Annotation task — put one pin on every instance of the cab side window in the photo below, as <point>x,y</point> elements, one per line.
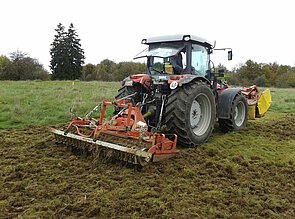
<point>200,60</point>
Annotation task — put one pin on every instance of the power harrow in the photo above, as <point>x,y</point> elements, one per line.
<point>124,136</point>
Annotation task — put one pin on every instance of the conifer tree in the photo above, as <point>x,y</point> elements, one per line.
<point>67,55</point>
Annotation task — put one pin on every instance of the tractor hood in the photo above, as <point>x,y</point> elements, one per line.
<point>147,80</point>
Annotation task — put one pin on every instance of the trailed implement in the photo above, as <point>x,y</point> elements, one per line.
<point>124,136</point>
<point>258,104</point>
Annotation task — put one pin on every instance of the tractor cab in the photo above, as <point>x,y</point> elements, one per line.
<point>177,55</point>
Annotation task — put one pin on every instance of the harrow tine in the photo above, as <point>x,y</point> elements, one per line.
<point>101,149</point>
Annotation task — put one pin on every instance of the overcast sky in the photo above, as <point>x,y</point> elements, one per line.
<point>260,30</point>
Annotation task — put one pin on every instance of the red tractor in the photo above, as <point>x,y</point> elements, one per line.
<point>177,101</point>
<point>180,93</point>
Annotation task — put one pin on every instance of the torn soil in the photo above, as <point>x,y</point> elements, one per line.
<point>42,179</point>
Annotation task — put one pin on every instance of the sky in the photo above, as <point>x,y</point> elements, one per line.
<point>260,30</point>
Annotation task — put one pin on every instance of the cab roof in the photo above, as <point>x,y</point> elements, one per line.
<point>176,38</point>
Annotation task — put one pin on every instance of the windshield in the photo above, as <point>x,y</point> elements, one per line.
<point>161,57</point>
<point>163,50</point>
<point>169,65</point>
<point>158,52</point>
<point>176,58</point>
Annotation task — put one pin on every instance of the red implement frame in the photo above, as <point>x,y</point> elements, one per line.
<point>128,124</point>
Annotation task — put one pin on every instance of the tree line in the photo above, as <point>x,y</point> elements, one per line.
<point>108,70</point>
<point>262,74</point>
<point>20,66</point>
<point>67,63</point>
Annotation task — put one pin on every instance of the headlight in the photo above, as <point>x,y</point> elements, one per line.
<point>128,83</point>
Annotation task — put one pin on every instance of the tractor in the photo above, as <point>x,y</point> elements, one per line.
<point>175,103</point>
<point>184,96</point>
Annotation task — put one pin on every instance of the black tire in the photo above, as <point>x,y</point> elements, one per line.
<point>125,91</point>
<point>190,113</point>
<point>238,115</point>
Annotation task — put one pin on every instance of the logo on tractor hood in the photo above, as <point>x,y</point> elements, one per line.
<point>164,77</point>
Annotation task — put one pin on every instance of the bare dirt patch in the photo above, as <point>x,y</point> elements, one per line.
<point>42,179</point>
<point>282,128</point>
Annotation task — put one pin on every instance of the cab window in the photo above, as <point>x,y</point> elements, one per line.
<point>200,60</point>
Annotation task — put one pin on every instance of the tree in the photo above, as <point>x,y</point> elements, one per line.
<point>4,62</point>
<point>22,67</point>
<point>261,81</point>
<point>108,70</point>
<point>105,70</point>
<point>291,79</point>
<point>88,73</point>
<point>269,73</point>
<point>67,55</point>
<point>249,71</point>
<point>125,69</point>
<point>75,53</point>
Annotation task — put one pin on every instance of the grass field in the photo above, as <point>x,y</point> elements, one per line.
<point>246,174</point>
<point>30,103</point>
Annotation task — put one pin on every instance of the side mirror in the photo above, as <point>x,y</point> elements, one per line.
<point>230,55</point>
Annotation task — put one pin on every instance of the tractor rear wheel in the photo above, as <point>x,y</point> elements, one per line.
<point>238,115</point>
<point>125,91</point>
<point>190,113</point>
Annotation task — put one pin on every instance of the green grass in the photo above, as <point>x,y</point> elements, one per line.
<point>245,174</point>
<point>283,100</point>
<point>36,103</point>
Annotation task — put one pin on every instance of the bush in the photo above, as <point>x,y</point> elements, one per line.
<point>261,81</point>
<point>4,62</point>
<point>88,72</point>
<point>282,81</point>
<point>291,79</point>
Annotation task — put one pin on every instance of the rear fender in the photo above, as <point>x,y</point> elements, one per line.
<point>225,100</point>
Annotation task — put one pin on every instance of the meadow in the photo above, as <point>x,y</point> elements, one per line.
<point>35,103</point>
<point>246,174</point>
